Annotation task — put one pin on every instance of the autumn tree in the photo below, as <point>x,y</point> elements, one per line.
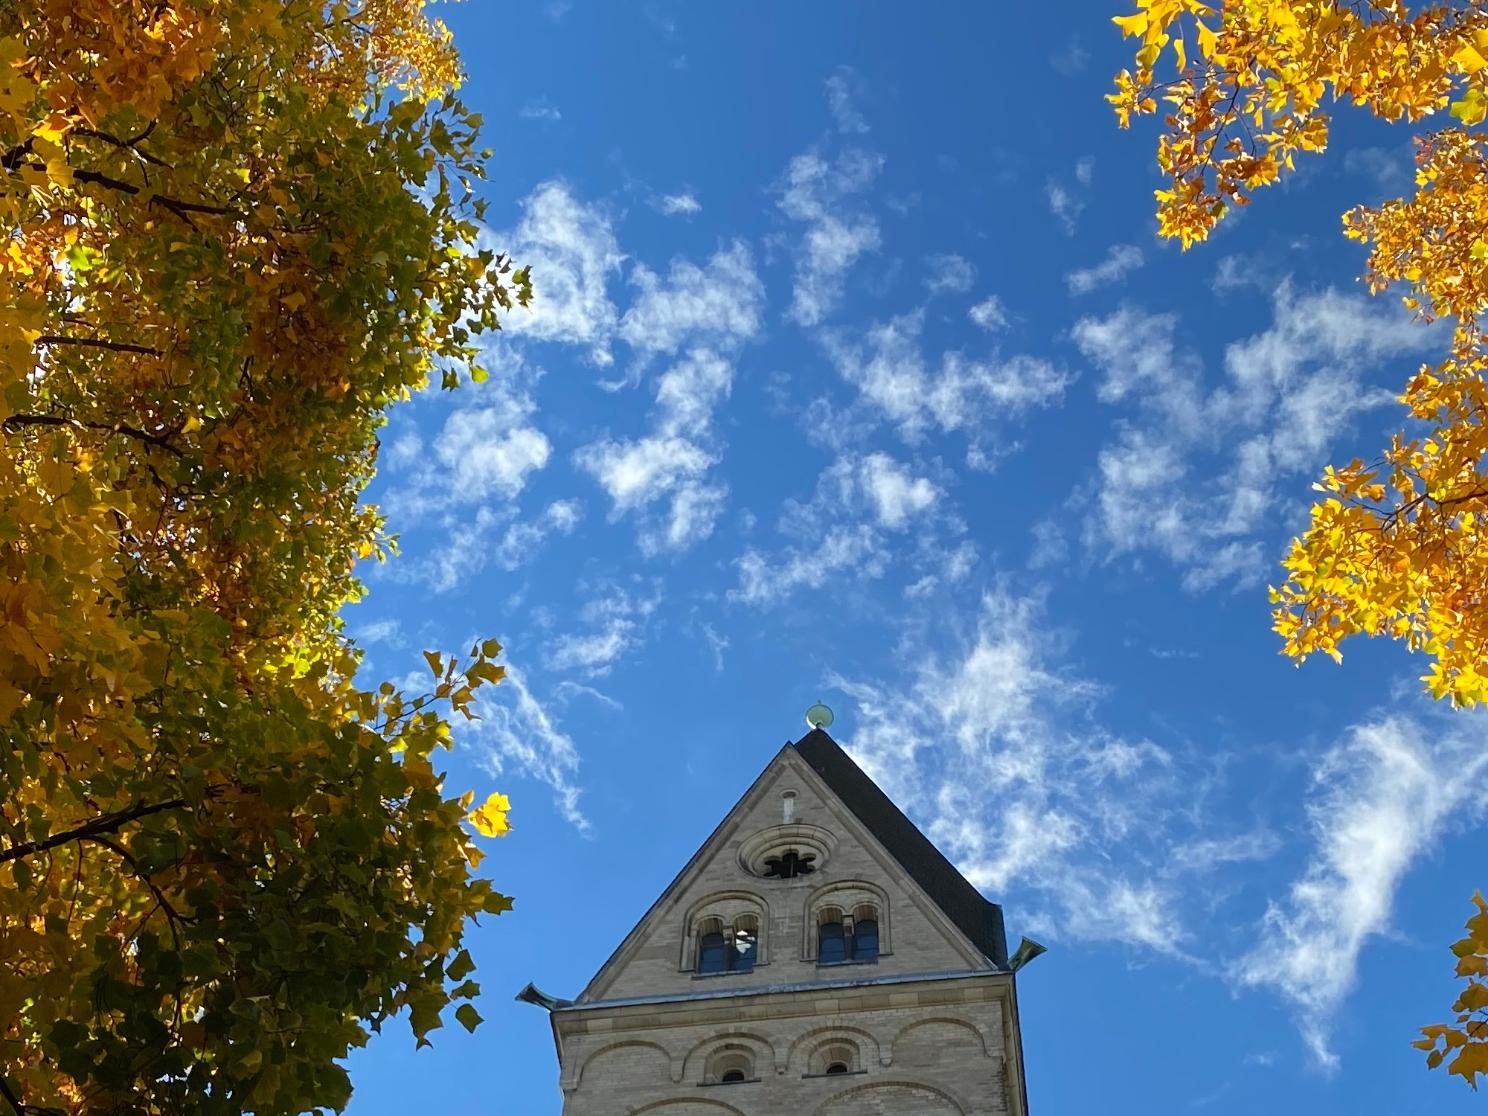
<point>1396,547</point>
<point>237,231</point>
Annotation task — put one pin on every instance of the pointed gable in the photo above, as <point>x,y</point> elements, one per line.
<point>976,916</point>
<point>850,853</point>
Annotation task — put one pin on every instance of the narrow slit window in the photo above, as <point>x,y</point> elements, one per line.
<point>712,953</point>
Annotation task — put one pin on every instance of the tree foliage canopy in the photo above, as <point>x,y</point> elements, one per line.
<point>237,231</point>
<point>1397,547</point>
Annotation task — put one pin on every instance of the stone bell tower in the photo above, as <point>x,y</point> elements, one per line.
<point>816,957</point>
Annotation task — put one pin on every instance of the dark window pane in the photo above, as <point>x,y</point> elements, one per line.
<point>865,940</point>
<point>837,1067</point>
<point>831,946</point>
<point>712,954</point>
<point>733,1075</point>
<point>789,865</point>
<point>744,950</point>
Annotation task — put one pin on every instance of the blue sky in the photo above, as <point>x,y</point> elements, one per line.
<point>858,374</point>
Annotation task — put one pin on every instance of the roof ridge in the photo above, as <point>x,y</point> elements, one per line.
<point>973,913</point>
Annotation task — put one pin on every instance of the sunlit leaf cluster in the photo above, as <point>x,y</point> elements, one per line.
<point>237,231</point>
<point>1393,546</point>
<point>1463,1045</point>
<point>1396,547</point>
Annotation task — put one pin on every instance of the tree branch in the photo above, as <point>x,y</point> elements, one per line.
<point>18,422</point>
<point>129,144</point>
<point>182,209</point>
<point>98,343</point>
<point>107,823</point>
<point>175,205</point>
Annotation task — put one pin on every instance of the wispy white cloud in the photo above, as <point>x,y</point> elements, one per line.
<point>515,733</point>
<point>844,90</point>
<point>685,204</point>
<point>1387,169</point>
<point>670,465</point>
<point>613,623</point>
<point>948,272</point>
<point>483,454</point>
<point>720,303</point>
<point>385,630</point>
<point>990,747</point>
<point>1070,59</point>
<point>897,495</point>
<point>1381,797</point>
<point>1195,472</point>
<point>886,364</point>
<point>1067,202</point>
<point>766,579</point>
<point>1064,204</point>
<point>1121,260</point>
<point>489,451</point>
<point>822,194</point>
<point>572,250</point>
<point>540,108</point>
<point>522,539</point>
<point>990,314</point>
<point>853,528</point>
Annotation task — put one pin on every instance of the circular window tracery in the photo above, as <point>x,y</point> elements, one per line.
<point>786,852</point>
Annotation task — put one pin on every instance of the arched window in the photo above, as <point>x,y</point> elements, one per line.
<point>840,939</point>
<point>866,928</point>
<point>729,1065</point>
<point>727,951</point>
<point>833,1056</point>
<point>831,937</point>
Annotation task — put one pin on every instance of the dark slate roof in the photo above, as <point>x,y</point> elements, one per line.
<point>975,916</point>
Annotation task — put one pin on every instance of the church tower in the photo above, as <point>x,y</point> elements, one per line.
<point>817,956</point>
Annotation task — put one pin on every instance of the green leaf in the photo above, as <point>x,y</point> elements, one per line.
<point>469,1018</point>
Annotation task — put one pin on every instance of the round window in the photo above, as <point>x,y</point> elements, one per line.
<point>786,852</point>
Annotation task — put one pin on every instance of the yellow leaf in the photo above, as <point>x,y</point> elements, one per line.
<point>489,818</point>
<point>53,128</point>
<point>1208,40</point>
<point>1469,59</point>
<point>1132,24</point>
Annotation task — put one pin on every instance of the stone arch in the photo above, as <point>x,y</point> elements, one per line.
<point>728,908</point>
<point>869,1047</point>
<point>690,1106</point>
<point>696,1059</point>
<point>849,897</point>
<point>926,1042</point>
<point>590,1067</point>
<point>902,1098</point>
